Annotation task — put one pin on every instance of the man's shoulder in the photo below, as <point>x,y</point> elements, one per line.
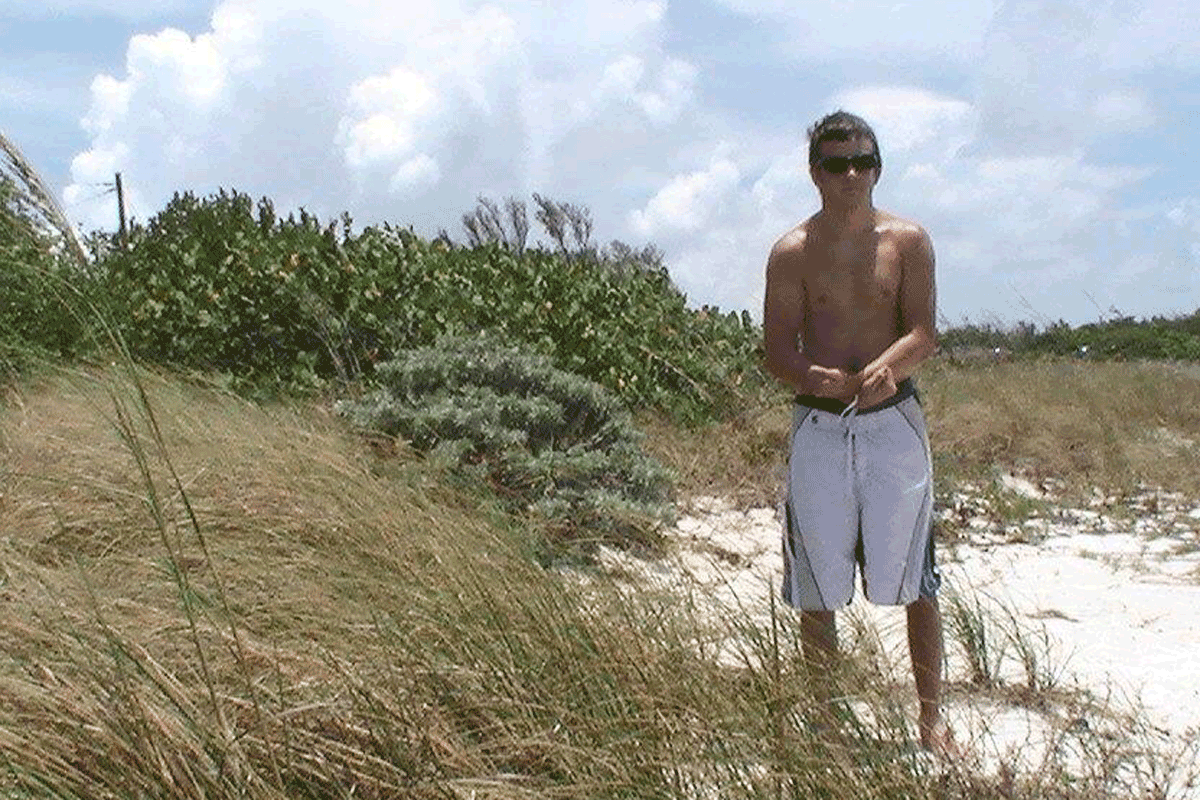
<point>904,230</point>
<point>792,242</point>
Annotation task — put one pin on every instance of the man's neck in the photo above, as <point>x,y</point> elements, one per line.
<point>844,219</point>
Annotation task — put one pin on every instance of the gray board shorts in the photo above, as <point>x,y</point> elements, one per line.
<point>859,494</point>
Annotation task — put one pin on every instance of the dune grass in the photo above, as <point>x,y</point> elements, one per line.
<point>1110,426</point>
<point>216,600</point>
<point>207,598</point>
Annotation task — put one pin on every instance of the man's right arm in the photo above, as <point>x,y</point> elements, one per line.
<point>783,314</point>
<point>783,317</point>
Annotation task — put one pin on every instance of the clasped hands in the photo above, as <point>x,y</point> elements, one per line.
<point>869,387</point>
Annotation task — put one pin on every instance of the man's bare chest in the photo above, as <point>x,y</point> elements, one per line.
<point>854,278</point>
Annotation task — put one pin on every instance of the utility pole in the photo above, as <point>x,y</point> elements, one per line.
<point>121,213</point>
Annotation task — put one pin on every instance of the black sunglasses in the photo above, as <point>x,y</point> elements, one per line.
<point>839,164</point>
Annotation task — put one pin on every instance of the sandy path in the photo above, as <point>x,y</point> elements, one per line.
<point>1108,606</point>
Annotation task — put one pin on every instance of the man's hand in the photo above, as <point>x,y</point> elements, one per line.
<point>878,385</point>
<point>830,382</point>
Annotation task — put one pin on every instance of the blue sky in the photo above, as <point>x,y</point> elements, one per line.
<point>1046,145</point>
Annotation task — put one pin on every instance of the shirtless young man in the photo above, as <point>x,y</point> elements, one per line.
<point>848,316</point>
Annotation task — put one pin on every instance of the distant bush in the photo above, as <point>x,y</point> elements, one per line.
<point>552,443</point>
<point>293,304</point>
<point>986,336</point>
<point>1121,338</point>
<point>1126,338</point>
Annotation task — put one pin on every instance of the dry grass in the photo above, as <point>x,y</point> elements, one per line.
<point>199,639</point>
<point>218,600</point>
<point>741,458</point>
<point>1106,425</point>
<point>205,598</point>
<point>1111,426</point>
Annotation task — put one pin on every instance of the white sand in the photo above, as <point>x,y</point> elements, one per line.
<point>1110,607</point>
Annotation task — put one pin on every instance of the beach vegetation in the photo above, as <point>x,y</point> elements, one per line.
<point>214,585</point>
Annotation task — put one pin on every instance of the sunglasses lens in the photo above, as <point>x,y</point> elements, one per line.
<point>836,165</point>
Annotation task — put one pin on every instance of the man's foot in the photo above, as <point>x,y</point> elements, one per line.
<point>937,738</point>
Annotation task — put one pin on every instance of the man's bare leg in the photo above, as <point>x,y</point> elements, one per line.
<point>818,636</point>
<point>925,647</point>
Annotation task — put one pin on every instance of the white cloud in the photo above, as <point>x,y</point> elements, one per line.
<point>1145,34</point>
<point>416,173</point>
<point>99,163</point>
<point>159,119</point>
<point>466,99</point>
<point>621,77</point>
<point>672,93</point>
<point>660,95</point>
<point>906,117</point>
<point>687,201</point>
<point>819,28</point>
<point>110,104</point>
<point>194,69</point>
<point>1185,215</point>
<point>1122,110</point>
<point>1058,74</point>
<point>385,112</point>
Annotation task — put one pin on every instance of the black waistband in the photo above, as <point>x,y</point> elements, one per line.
<point>904,389</point>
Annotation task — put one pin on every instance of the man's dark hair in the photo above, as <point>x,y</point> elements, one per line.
<point>840,126</point>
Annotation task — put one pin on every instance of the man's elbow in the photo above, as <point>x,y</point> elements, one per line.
<point>772,363</point>
<point>777,365</point>
<point>929,342</point>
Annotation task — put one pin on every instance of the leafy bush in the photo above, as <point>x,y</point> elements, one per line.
<point>222,284</point>
<point>551,443</point>
<point>213,285</point>
<point>36,320</point>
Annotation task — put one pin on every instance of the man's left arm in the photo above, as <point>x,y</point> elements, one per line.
<point>917,341</point>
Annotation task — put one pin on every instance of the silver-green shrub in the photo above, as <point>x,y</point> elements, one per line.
<point>553,444</point>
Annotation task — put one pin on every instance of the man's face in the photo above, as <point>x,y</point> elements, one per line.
<point>846,168</point>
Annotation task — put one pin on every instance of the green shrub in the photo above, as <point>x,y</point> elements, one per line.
<point>553,444</point>
<point>213,285</point>
<point>37,320</point>
<point>221,284</point>
<point>1124,338</point>
<point>1120,338</point>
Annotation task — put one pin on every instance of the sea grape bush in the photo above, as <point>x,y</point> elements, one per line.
<point>552,443</point>
<point>219,285</point>
<point>222,284</point>
<point>284,305</point>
